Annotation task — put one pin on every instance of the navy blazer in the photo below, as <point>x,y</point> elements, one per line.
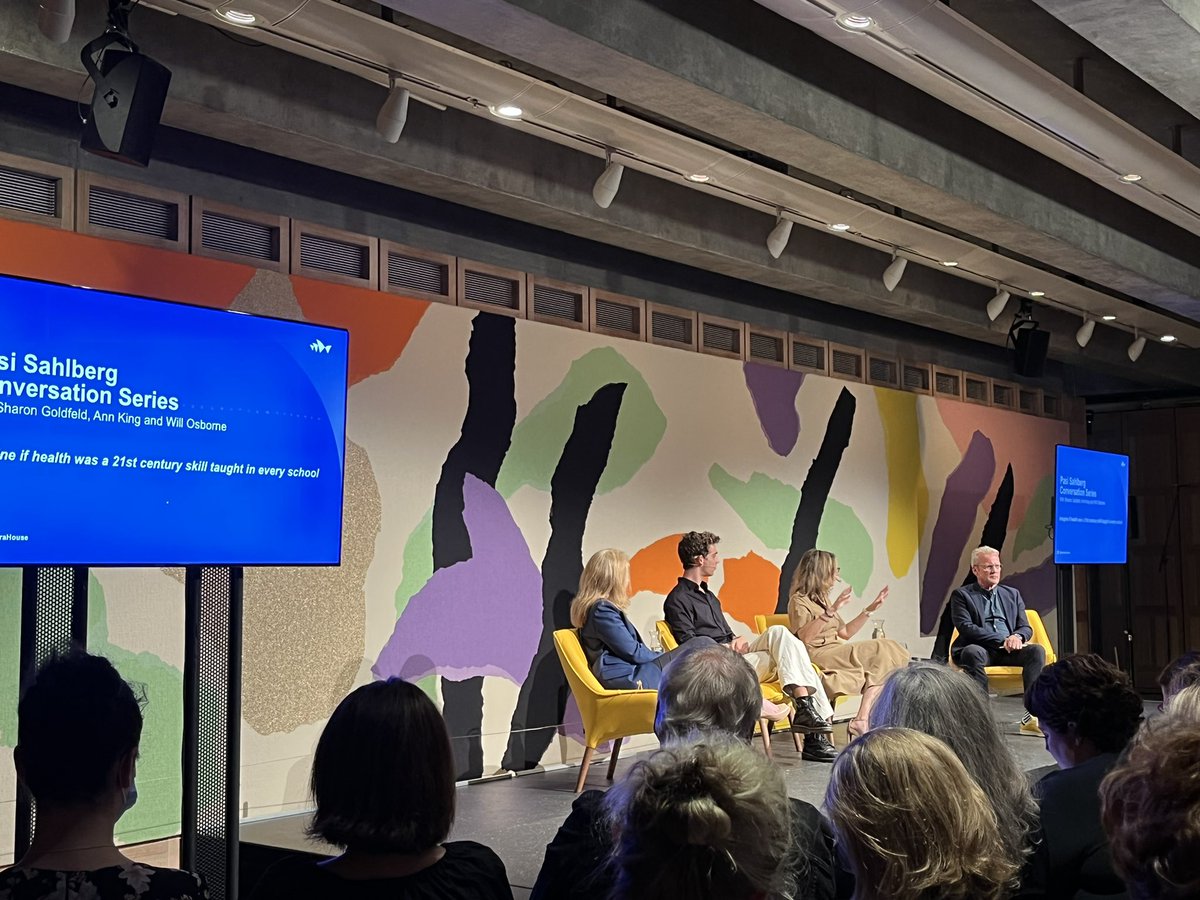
<point>615,651</point>
<point>968,610</point>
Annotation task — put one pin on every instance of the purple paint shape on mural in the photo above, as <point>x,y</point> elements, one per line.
<point>1037,586</point>
<point>774,391</point>
<point>966,488</point>
<point>482,616</point>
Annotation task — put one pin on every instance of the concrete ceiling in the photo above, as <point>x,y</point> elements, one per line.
<point>731,74</point>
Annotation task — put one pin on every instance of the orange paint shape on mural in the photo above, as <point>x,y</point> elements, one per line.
<point>751,587</point>
<point>52,254</point>
<point>656,568</point>
<point>380,325</point>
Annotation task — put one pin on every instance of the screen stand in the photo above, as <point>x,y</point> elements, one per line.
<point>53,619</point>
<point>212,715</point>
<point>1064,576</point>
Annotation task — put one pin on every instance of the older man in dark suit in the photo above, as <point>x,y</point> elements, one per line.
<point>993,629</point>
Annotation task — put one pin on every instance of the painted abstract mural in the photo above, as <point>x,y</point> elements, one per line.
<point>488,457</point>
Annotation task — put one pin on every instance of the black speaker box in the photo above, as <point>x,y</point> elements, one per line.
<point>126,107</point>
<point>1030,349</point>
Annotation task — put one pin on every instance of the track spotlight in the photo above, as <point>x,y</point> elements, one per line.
<point>777,240</point>
<point>1084,334</point>
<point>394,112</point>
<point>997,304</point>
<point>1136,348</point>
<point>894,272</point>
<point>55,18</point>
<point>609,182</point>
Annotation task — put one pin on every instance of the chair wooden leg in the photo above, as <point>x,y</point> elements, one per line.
<point>583,768</point>
<point>764,728</point>
<point>612,763</point>
<point>795,737</point>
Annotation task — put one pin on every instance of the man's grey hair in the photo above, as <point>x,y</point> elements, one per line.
<point>979,552</point>
<point>711,689</point>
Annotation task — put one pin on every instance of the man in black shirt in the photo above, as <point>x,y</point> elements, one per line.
<point>692,610</point>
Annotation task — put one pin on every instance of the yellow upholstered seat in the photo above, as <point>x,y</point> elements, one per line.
<point>762,623</point>
<point>607,715</point>
<point>1007,679</point>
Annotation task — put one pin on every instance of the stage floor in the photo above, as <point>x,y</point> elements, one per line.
<point>517,817</point>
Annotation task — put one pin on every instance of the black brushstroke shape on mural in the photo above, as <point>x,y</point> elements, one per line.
<point>480,450</point>
<point>543,696</point>
<point>816,489</point>
<point>994,530</point>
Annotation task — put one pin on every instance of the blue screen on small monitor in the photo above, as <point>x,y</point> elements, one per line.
<point>1091,506</point>
<point>140,432</point>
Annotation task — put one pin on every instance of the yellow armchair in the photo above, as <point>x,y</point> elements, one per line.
<point>762,623</point>
<point>1007,679</point>
<point>607,715</point>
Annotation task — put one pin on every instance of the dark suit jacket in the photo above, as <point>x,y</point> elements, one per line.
<point>968,610</point>
<point>615,651</point>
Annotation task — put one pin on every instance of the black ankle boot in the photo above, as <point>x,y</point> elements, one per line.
<point>818,748</point>
<point>807,720</point>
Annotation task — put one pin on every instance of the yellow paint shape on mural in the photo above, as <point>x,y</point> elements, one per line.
<point>908,496</point>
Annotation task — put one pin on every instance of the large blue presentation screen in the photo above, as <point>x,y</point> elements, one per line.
<point>1091,506</point>
<point>139,432</point>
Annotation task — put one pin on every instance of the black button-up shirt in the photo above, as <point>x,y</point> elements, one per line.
<point>692,610</point>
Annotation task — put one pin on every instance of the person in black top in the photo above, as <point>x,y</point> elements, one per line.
<point>692,610</point>
<point>383,782</point>
<point>709,691</point>
<point>79,725</point>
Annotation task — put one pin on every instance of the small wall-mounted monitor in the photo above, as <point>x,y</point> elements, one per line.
<point>141,432</point>
<point>1091,506</point>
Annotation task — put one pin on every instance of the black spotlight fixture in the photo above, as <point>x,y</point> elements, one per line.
<point>1029,342</point>
<point>131,89</point>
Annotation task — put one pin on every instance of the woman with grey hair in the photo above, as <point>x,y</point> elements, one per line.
<point>948,705</point>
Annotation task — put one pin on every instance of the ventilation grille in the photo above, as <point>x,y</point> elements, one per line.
<point>415,273</point>
<point>975,389</point>
<point>883,371</point>
<point>231,235</point>
<point>845,364</point>
<point>339,257</point>
<point>137,215</point>
<point>670,328</point>
<point>1004,395</point>
<point>486,289</point>
<point>558,303</point>
<point>30,192</point>
<point>806,355</point>
<point>1029,402</point>
<point>721,338</point>
<point>612,315</point>
<point>915,378</point>
<point>769,348</point>
<point>1051,405</point>
<point>947,384</point>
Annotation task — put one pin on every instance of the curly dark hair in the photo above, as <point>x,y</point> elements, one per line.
<point>1085,691</point>
<point>695,543</point>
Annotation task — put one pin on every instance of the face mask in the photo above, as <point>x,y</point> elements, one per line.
<point>129,796</point>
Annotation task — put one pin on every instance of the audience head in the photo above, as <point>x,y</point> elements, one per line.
<point>815,575</point>
<point>1085,706</point>
<point>703,820</point>
<point>913,823</point>
<point>605,577</point>
<point>694,545</point>
<point>1151,813</point>
<point>1185,705</point>
<point>1180,672</point>
<point>79,725</point>
<point>383,776</point>
<point>948,705</point>
<point>708,690</point>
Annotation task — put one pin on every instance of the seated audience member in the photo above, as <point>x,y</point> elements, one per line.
<point>702,820</point>
<point>614,649</point>
<point>710,691</point>
<point>945,704</point>
<point>691,609</point>
<point>846,668</point>
<point>383,784</point>
<point>912,824</point>
<point>1180,672</point>
<point>993,629</point>
<point>78,728</point>
<point>1089,713</point>
<point>1185,705</point>
<point>1150,807</point>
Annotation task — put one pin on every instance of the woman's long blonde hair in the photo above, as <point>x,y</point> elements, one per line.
<point>605,577</point>
<point>814,576</point>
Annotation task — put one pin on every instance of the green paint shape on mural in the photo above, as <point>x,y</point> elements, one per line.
<point>843,534</point>
<point>1032,533</point>
<point>429,685</point>
<point>418,562</point>
<point>159,781</point>
<point>539,438</point>
<point>765,504</point>
<point>10,654</point>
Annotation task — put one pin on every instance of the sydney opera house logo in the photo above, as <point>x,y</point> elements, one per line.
<point>317,347</point>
